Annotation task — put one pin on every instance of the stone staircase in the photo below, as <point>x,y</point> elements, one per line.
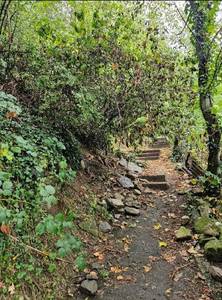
<point>153,181</point>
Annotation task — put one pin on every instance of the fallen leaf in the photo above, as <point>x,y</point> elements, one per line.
<point>169,257</point>
<point>178,276</point>
<point>201,276</point>
<point>119,277</point>
<point>11,115</point>
<point>147,269</point>
<point>5,229</point>
<point>172,215</point>
<point>99,255</point>
<point>191,250</point>
<point>162,244</point>
<point>168,292</point>
<point>11,289</point>
<point>153,258</point>
<point>115,270</point>
<point>157,226</point>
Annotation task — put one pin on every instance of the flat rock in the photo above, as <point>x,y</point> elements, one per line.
<point>89,287</point>
<point>213,250</point>
<point>216,273</point>
<point>148,191</point>
<point>185,220</point>
<point>92,276</point>
<point>135,204</point>
<point>137,192</point>
<point>157,185</point>
<point>89,226</point>
<point>115,203</point>
<point>130,166</point>
<point>132,211</point>
<point>118,196</point>
<point>105,227</point>
<point>206,226</point>
<point>125,182</point>
<point>96,266</point>
<point>183,233</point>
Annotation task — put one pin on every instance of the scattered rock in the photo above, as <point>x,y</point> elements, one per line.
<point>130,166</point>
<point>204,210</point>
<point>206,226</point>
<point>182,192</point>
<point>118,196</point>
<point>185,220</point>
<point>89,226</point>
<point>117,216</point>
<point>96,266</point>
<point>115,203</point>
<point>89,287</point>
<point>125,182</point>
<point>105,227</point>
<point>134,168</point>
<point>203,239</point>
<point>82,164</point>
<point>132,203</point>
<point>216,273</point>
<point>137,192</point>
<point>148,191</point>
<point>120,210</point>
<point>213,250</point>
<point>103,203</point>
<point>92,276</point>
<point>183,233</point>
<point>132,211</point>
<point>123,162</point>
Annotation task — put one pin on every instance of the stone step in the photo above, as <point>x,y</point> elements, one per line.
<point>163,186</point>
<point>148,154</point>
<point>147,158</point>
<point>154,178</point>
<point>162,145</point>
<point>151,151</point>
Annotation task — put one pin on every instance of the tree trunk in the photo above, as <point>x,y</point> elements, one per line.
<point>205,96</point>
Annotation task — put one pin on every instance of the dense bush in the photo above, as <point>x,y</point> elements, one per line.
<point>32,169</point>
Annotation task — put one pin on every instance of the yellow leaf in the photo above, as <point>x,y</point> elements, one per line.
<point>157,226</point>
<point>120,277</point>
<point>147,268</point>
<point>115,270</point>
<point>162,244</point>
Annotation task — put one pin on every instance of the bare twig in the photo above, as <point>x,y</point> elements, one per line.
<point>42,253</point>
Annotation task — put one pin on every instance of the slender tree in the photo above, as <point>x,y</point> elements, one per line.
<point>203,14</point>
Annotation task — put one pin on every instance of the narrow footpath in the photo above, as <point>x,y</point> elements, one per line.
<point>156,266</point>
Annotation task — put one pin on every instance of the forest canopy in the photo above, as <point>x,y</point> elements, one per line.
<point>97,74</point>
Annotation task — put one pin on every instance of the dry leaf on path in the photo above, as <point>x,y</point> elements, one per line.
<point>157,226</point>
<point>162,244</point>
<point>178,276</point>
<point>147,269</point>
<point>99,255</point>
<point>115,270</point>
<point>169,257</point>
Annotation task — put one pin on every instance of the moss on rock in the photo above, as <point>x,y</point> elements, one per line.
<point>213,250</point>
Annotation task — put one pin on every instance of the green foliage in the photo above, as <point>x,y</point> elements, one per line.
<point>32,170</point>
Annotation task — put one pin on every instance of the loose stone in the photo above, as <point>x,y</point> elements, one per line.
<point>89,287</point>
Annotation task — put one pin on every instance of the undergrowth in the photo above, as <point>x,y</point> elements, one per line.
<point>33,169</point>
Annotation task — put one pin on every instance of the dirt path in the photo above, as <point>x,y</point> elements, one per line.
<point>156,267</point>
